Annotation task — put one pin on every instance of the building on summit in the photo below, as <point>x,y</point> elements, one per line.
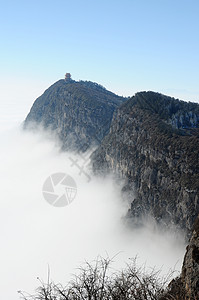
<point>67,76</point>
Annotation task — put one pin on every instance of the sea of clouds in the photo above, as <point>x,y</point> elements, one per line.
<point>35,235</point>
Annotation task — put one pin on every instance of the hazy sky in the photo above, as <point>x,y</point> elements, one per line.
<point>127,46</point>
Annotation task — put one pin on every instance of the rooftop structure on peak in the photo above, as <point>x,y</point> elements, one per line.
<point>67,76</point>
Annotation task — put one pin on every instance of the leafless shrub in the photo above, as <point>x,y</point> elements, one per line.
<point>96,281</point>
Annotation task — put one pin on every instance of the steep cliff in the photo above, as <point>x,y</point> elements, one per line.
<point>190,269</point>
<point>79,112</point>
<point>186,286</point>
<point>153,143</point>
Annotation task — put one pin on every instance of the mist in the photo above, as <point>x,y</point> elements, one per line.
<point>36,236</point>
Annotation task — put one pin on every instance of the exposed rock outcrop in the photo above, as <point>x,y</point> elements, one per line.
<point>79,112</point>
<point>186,286</point>
<point>190,269</point>
<point>153,143</point>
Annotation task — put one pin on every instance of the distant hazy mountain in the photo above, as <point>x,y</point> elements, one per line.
<point>80,112</point>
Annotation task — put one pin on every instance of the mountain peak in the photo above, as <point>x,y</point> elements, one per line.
<point>79,111</point>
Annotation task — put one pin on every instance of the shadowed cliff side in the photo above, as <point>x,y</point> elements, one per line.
<point>186,286</point>
<point>153,143</point>
<point>190,269</point>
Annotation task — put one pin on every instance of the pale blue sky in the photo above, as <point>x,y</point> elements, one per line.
<point>127,46</point>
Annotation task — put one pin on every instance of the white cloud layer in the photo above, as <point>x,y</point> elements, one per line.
<point>34,234</point>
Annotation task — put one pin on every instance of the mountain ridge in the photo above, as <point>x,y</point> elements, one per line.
<point>150,140</point>
<point>158,160</point>
<point>79,112</point>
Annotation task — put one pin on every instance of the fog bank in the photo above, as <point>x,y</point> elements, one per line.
<point>35,234</point>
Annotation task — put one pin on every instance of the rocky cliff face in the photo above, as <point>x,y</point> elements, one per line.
<point>186,286</point>
<point>190,269</point>
<point>153,143</point>
<point>79,112</point>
